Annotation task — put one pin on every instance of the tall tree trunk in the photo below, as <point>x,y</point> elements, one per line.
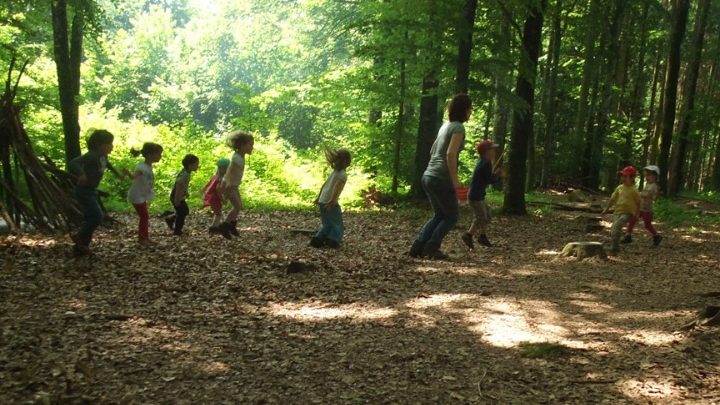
<point>677,33</point>
<point>502,78</point>
<point>523,119</point>
<point>465,33</point>
<point>589,67</point>
<point>550,94</point>
<point>401,122</point>
<point>607,97</point>
<point>68,57</point>
<point>651,120</point>
<point>686,115</point>
<point>427,130</point>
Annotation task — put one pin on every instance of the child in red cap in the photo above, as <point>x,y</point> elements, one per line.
<point>483,175</point>
<point>625,202</point>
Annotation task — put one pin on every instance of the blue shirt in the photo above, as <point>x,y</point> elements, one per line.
<point>481,178</point>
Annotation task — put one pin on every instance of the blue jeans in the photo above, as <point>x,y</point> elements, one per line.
<point>443,200</point>
<point>332,223</point>
<point>93,214</point>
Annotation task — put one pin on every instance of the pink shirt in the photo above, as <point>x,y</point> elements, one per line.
<point>212,193</point>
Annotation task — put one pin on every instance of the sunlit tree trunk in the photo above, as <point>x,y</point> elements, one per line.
<point>677,33</point>
<point>677,175</point>
<point>523,118</point>
<point>502,87</point>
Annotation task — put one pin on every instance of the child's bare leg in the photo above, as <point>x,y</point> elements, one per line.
<point>217,218</point>
<point>236,202</point>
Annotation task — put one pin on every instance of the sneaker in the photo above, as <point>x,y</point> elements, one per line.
<point>436,255</point>
<point>657,239</point>
<point>467,238</point>
<point>170,221</point>
<point>483,240</point>
<point>316,242</point>
<point>224,229</point>
<point>233,228</point>
<point>627,239</point>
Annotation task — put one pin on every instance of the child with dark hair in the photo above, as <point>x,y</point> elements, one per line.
<point>89,169</point>
<point>483,176</point>
<point>142,190</point>
<point>242,144</point>
<point>212,197</point>
<point>332,230</point>
<point>179,193</point>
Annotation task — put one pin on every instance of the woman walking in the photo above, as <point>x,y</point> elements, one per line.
<point>440,181</point>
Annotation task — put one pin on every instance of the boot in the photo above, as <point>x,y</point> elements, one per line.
<point>233,228</point>
<point>316,242</point>
<point>627,239</point>
<point>657,239</point>
<point>224,229</point>
<point>416,249</point>
<point>436,255</point>
<point>170,221</point>
<point>483,240</point>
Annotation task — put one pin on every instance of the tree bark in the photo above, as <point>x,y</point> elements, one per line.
<point>677,175</point>
<point>465,34</point>
<point>523,119</point>
<point>400,123</point>
<point>502,78</point>
<point>68,57</point>
<point>581,117</point>
<point>550,94</point>
<point>677,33</point>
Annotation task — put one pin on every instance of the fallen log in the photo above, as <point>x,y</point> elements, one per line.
<point>573,207</point>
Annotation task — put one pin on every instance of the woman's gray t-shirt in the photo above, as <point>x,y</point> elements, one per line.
<point>438,167</point>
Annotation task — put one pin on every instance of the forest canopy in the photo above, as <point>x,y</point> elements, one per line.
<point>608,83</point>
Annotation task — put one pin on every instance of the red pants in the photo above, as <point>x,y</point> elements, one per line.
<point>142,211</point>
<point>647,218</point>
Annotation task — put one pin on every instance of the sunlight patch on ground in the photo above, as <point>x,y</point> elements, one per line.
<point>528,270</point>
<point>214,368</point>
<point>650,389</point>
<point>693,239</point>
<point>592,307</point>
<point>75,304</point>
<point>437,300</point>
<point>35,243</point>
<point>320,312</point>
<point>141,331</point>
<point>653,337</point>
<point>507,324</point>
<point>547,252</point>
<point>647,315</point>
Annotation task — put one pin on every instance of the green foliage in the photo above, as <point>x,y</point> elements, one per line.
<point>542,350</point>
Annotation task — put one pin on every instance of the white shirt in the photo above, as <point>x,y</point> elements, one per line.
<point>326,194</point>
<point>142,186</point>
<point>234,174</point>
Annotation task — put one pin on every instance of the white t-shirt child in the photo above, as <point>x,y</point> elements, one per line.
<point>326,194</point>
<point>142,189</point>
<point>234,174</point>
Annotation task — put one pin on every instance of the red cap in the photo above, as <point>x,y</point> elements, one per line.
<point>483,146</point>
<point>628,171</point>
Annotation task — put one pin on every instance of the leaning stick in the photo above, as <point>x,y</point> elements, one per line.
<point>498,161</point>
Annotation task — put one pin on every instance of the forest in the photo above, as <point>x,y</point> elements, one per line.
<point>570,91</point>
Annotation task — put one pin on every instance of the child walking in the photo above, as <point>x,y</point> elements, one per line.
<point>242,144</point>
<point>89,169</point>
<point>625,202</point>
<point>332,230</point>
<point>212,197</point>
<point>179,193</point>
<point>648,195</point>
<point>482,177</point>
<point>142,189</point>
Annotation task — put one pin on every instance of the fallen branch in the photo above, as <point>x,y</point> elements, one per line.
<point>578,207</point>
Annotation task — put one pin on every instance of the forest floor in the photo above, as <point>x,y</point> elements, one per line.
<point>201,320</point>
